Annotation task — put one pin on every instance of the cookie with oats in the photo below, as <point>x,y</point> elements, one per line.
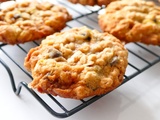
<point>92,2</point>
<point>132,21</point>
<point>3,0</point>
<point>77,63</point>
<point>31,20</point>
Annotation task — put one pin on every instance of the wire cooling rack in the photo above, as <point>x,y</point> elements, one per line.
<point>141,57</point>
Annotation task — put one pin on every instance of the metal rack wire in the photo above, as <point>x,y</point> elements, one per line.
<point>141,57</point>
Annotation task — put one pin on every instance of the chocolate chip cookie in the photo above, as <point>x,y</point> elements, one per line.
<point>31,20</point>
<point>132,21</point>
<point>77,63</point>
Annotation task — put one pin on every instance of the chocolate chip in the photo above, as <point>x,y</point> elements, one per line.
<point>54,53</point>
<point>155,20</point>
<point>16,16</point>
<point>86,35</point>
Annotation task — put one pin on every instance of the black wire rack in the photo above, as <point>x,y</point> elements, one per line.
<point>141,57</point>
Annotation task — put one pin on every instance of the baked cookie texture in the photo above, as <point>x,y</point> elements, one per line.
<point>3,0</point>
<point>77,63</point>
<point>132,21</point>
<point>31,20</point>
<point>92,2</point>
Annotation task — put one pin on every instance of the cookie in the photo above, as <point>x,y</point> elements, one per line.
<point>30,20</point>
<point>132,21</point>
<point>77,63</point>
<point>3,0</point>
<point>92,2</point>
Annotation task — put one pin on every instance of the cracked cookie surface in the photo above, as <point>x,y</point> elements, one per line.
<point>132,21</point>
<point>30,20</point>
<point>77,63</point>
